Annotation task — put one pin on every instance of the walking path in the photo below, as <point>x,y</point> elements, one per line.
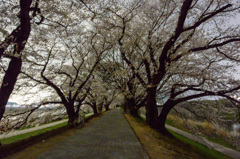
<point>18,132</point>
<point>108,137</point>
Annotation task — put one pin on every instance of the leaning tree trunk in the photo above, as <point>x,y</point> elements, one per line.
<point>14,68</point>
<point>163,117</point>
<point>151,108</point>
<point>8,83</point>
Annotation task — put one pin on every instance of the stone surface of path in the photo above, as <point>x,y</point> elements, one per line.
<point>109,137</point>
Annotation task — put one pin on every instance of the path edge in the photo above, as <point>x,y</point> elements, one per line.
<point>136,135</point>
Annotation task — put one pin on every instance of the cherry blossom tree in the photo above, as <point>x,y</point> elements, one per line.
<point>67,69</point>
<point>183,46</point>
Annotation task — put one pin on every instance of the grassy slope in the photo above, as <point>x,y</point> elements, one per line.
<point>217,139</point>
<point>27,135</point>
<point>34,133</point>
<point>159,146</point>
<point>203,150</point>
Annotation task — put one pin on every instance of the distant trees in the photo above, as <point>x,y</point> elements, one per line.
<point>102,91</point>
<point>119,77</point>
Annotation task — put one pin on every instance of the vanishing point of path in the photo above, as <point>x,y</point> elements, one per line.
<point>108,137</point>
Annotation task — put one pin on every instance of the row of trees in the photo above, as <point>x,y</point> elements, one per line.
<point>135,51</point>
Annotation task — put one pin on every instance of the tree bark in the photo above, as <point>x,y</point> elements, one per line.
<point>71,113</point>
<point>100,108</point>
<point>132,107</point>
<point>134,111</point>
<point>163,117</point>
<point>125,106</point>
<point>94,107</point>
<point>107,107</point>
<point>8,83</point>
<point>239,114</point>
<point>151,108</point>
<point>19,39</point>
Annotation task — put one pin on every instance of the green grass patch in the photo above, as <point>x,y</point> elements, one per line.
<point>27,135</point>
<point>215,138</point>
<point>223,143</point>
<point>203,150</point>
<point>16,138</point>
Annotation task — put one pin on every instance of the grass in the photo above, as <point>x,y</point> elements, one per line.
<point>27,135</point>
<point>207,129</point>
<point>203,150</point>
<point>189,145</point>
<point>34,133</point>
<point>221,142</point>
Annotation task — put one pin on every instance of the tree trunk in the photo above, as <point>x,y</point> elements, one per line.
<point>125,106</point>
<point>72,116</point>
<point>8,83</point>
<point>134,111</point>
<point>163,117</point>
<point>151,108</point>
<point>239,114</point>
<point>94,107</point>
<point>21,35</point>
<point>132,107</point>
<point>100,107</point>
<point>107,107</point>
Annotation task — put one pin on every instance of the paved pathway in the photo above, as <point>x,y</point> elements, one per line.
<point>109,137</point>
<point>18,132</point>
